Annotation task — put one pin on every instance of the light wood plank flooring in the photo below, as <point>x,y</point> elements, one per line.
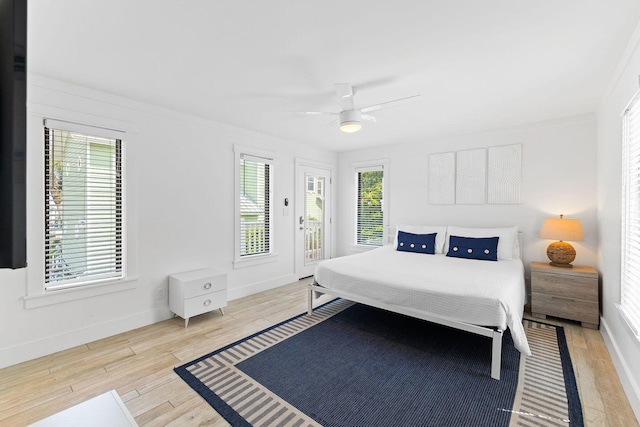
<point>139,366</point>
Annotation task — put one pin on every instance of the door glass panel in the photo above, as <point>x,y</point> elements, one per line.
<point>314,219</point>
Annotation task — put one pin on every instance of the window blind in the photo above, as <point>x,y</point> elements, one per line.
<point>83,208</point>
<point>369,206</point>
<point>630,262</point>
<point>255,205</point>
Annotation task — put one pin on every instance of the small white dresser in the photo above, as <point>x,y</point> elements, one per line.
<point>196,292</point>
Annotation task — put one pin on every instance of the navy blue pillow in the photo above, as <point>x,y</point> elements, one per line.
<point>420,243</point>
<point>483,248</point>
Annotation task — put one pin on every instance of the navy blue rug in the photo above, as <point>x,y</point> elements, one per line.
<point>354,365</point>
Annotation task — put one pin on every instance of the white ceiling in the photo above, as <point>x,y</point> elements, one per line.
<point>479,65</point>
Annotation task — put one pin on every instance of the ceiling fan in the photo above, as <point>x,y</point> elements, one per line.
<point>351,117</point>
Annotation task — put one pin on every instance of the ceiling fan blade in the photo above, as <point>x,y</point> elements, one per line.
<point>368,118</point>
<point>314,113</point>
<point>321,113</point>
<point>345,95</point>
<point>391,104</point>
<point>332,123</point>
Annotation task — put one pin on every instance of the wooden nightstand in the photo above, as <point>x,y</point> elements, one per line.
<point>570,293</point>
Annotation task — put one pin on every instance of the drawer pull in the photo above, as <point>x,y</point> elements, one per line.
<point>207,303</point>
<point>207,285</point>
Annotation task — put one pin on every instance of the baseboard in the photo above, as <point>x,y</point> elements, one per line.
<point>254,288</point>
<point>622,367</point>
<point>42,347</point>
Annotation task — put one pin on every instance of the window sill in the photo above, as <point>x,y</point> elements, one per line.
<point>255,260</point>
<point>364,248</point>
<point>73,294</point>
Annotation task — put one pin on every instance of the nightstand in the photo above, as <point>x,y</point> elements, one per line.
<point>569,293</point>
<point>196,292</point>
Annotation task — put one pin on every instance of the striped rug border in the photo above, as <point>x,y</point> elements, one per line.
<point>541,399</point>
<point>263,406</point>
<point>547,393</point>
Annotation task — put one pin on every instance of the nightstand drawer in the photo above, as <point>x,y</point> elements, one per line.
<point>204,303</point>
<point>576,287</point>
<point>204,285</point>
<point>568,308</point>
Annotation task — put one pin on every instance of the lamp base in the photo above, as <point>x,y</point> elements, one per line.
<point>561,254</point>
<point>555,264</point>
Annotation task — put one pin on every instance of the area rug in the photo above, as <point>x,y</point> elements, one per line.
<point>354,365</point>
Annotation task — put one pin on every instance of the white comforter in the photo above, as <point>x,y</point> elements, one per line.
<point>485,293</point>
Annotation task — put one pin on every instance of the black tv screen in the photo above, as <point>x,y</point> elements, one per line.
<point>13,133</point>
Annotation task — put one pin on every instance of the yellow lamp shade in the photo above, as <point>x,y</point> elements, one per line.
<point>562,229</point>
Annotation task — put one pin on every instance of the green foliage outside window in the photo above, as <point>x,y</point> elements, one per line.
<point>370,208</point>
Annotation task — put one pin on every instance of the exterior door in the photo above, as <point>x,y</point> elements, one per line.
<point>312,220</point>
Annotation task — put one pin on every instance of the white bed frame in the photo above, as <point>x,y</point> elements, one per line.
<point>494,334</point>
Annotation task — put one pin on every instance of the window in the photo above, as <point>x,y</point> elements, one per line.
<point>630,257</point>
<point>255,179</point>
<point>370,205</point>
<point>84,240</point>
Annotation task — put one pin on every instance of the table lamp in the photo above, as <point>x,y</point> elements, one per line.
<point>561,253</point>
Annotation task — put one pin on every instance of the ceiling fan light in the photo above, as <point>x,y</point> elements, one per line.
<point>350,127</point>
<point>350,121</point>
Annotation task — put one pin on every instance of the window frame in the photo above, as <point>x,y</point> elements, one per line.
<point>370,166</point>
<point>241,261</point>
<point>37,294</point>
<point>629,306</point>
<point>52,138</point>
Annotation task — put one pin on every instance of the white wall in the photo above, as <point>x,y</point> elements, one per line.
<point>183,174</point>
<point>558,177</point>
<point>623,346</point>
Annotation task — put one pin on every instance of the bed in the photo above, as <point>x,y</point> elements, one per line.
<point>478,296</point>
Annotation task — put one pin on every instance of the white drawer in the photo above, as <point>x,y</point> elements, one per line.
<point>204,303</point>
<point>204,285</point>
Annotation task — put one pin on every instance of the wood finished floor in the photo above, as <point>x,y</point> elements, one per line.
<point>139,365</point>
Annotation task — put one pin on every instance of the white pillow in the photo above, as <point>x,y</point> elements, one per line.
<point>508,247</point>
<point>424,229</point>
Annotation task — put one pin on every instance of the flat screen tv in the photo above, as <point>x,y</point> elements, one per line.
<point>13,133</point>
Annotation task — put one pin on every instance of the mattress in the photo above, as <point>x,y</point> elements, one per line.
<point>483,293</point>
